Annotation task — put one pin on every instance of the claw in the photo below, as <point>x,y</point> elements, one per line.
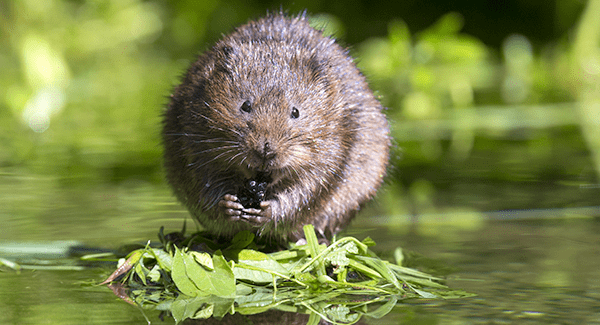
<point>232,212</point>
<point>230,205</point>
<point>229,197</point>
<point>253,219</point>
<point>252,211</point>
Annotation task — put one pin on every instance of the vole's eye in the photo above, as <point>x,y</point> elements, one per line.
<point>246,107</point>
<point>295,112</point>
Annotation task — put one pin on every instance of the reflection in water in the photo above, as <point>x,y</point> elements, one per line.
<point>526,272</point>
<point>199,311</point>
<point>274,317</point>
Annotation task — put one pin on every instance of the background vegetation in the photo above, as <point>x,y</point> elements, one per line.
<point>492,107</point>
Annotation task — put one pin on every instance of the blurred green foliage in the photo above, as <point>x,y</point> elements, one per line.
<point>493,105</point>
<point>84,84</point>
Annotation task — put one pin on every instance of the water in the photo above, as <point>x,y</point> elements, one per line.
<point>523,271</point>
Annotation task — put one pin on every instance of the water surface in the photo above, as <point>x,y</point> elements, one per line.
<point>523,271</point>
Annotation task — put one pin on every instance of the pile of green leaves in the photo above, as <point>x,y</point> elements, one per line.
<point>339,282</point>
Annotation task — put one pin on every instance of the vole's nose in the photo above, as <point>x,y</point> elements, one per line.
<point>268,153</point>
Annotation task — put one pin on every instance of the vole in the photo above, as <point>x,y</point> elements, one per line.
<point>274,128</point>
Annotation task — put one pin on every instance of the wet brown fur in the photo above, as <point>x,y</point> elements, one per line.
<point>325,162</point>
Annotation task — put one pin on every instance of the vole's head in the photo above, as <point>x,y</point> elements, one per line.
<point>271,106</point>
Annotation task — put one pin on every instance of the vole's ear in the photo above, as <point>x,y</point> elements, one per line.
<point>200,71</point>
<point>226,51</point>
<point>222,55</point>
<point>223,52</point>
<point>316,68</point>
<point>217,58</point>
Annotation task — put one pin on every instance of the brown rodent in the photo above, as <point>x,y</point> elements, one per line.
<point>272,129</point>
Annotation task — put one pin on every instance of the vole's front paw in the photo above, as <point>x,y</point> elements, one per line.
<point>231,206</point>
<point>257,217</point>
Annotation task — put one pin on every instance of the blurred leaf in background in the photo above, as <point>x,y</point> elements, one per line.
<point>85,83</point>
<point>483,118</point>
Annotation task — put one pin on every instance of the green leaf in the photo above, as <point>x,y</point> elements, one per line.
<point>243,289</point>
<point>141,272</point>
<point>313,247</point>
<point>364,269</point>
<point>425,294</point>
<point>415,273</point>
<point>185,307</point>
<point>384,309</point>
<point>193,280</point>
<point>154,274</point>
<point>180,276</point>
<point>287,254</point>
<point>399,256</point>
<point>203,259</point>
<point>341,314</point>
<point>242,272</point>
<point>241,240</point>
<point>368,242</point>
<point>222,306</point>
<point>164,259</point>
<point>263,267</point>
<point>305,277</point>
<point>10,264</point>
<point>205,312</point>
<point>313,319</point>
<point>222,280</point>
<point>338,256</point>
